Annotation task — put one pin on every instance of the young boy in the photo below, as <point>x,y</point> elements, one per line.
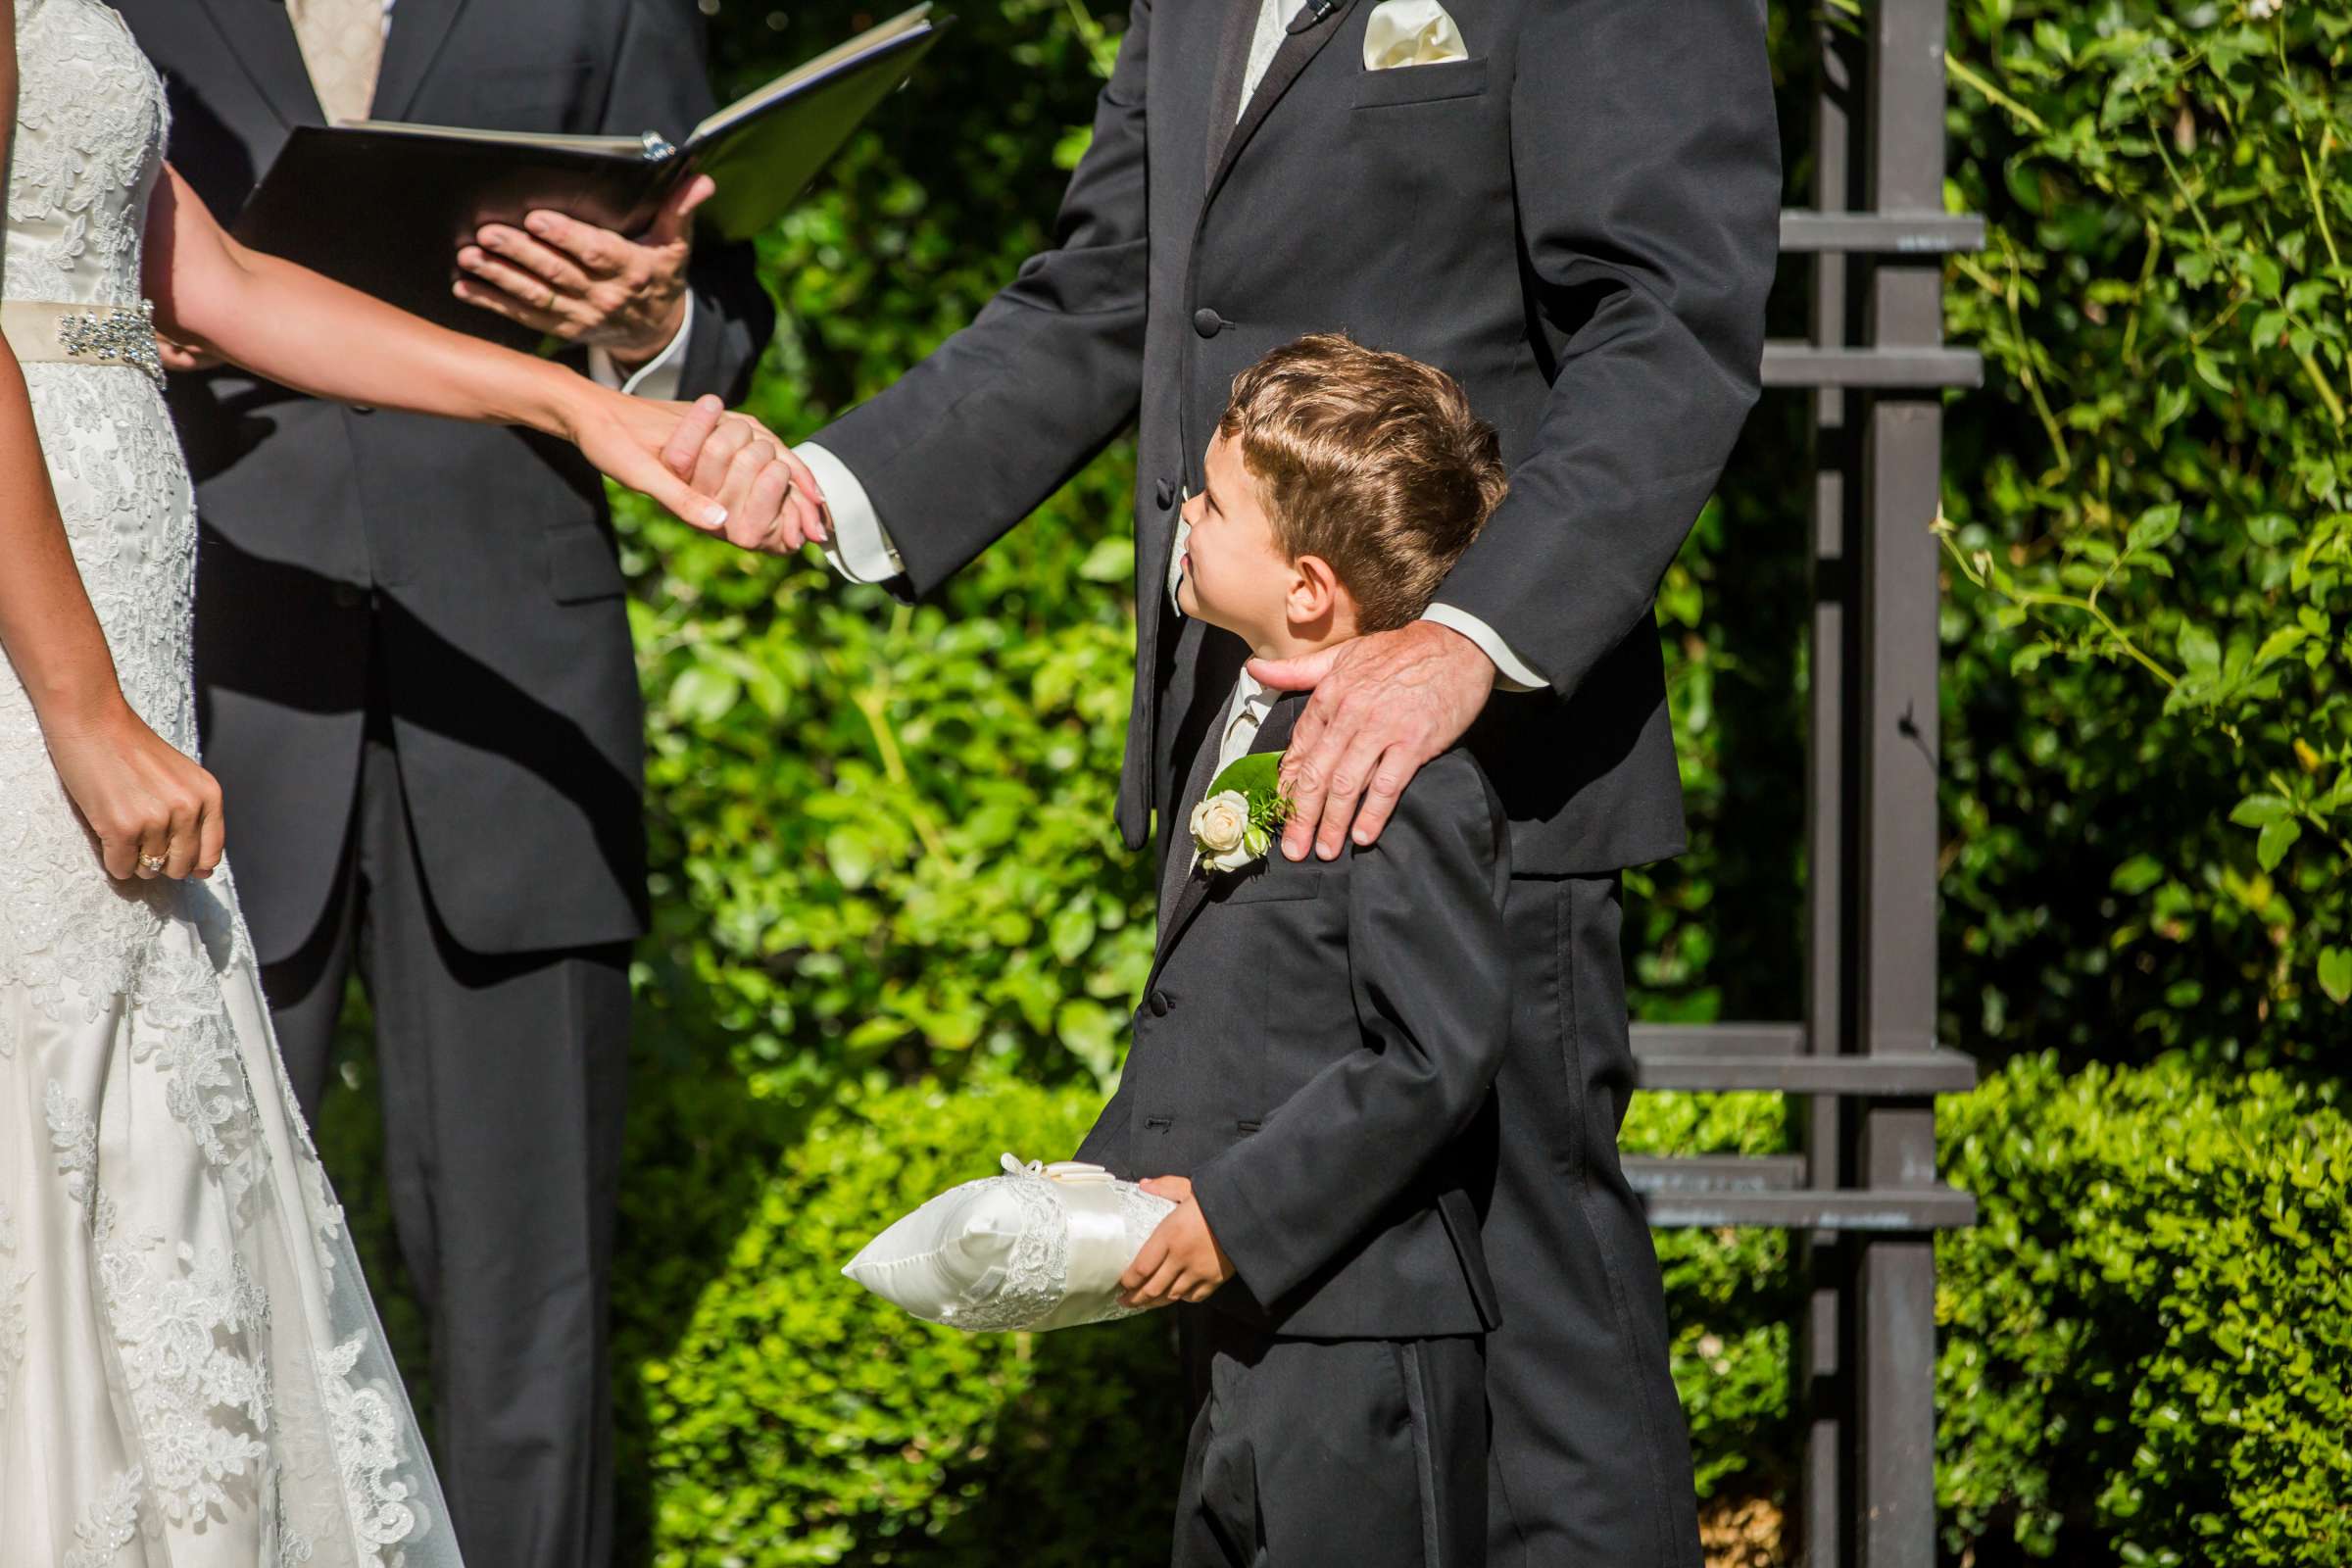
<point>1311,1066</point>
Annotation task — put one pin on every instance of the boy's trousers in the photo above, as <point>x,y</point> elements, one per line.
<point>1304,1452</point>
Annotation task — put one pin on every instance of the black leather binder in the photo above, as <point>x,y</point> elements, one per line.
<point>384,206</point>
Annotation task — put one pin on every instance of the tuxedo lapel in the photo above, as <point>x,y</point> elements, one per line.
<point>418,29</point>
<point>1299,50</point>
<point>260,38</point>
<point>1184,890</point>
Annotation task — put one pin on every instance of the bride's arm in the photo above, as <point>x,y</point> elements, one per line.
<point>139,795</point>
<point>317,336</point>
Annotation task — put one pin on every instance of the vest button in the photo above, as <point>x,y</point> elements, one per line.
<point>1160,1003</point>
<point>1207,323</point>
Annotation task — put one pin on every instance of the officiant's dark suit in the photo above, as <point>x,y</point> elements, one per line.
<point>418,688</point>
<point>1577,221</point>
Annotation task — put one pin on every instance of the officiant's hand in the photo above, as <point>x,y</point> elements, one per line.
<point>1181,1262</point>
<point>585,284</point>
<point>1385,704</point>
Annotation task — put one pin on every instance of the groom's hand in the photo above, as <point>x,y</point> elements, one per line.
<point>586,284</point>
<point>1385,704</point>
<point>771,499</point>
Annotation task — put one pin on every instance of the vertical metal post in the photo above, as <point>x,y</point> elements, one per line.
<point>1894,1009</point>
<point>1822,1395</point>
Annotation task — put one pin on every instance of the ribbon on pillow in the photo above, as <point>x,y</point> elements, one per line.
<point>1411,33</point>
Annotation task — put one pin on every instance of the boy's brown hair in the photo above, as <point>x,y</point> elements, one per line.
<point>1369,459</point>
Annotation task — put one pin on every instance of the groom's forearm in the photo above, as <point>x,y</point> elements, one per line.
<point>1651,243</point>
<point>1002,415</point>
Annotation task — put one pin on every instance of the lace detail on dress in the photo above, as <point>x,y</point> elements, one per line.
<point>90,128</point>
<point>13,1280</point>
<point>107,1524</point>
<point>178,1022</point>
<point>366,1429</point>
<point>74,1137</point>
<point>180,1342</point>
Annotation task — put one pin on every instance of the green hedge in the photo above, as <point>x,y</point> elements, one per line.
<point>2148,1335</point>
<point>800,1419</point>
<point>2143,1342</point>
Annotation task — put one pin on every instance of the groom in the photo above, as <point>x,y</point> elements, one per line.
<point>1570,205</point>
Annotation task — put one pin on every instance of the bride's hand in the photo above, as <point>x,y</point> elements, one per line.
<point>155,812</point>
<point>654,447</point>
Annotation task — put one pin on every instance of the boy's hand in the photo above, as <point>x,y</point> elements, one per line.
<point>1181,1262</point>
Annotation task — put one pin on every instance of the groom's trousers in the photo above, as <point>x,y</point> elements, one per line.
<point>1591,1458</point>
<point>501,1080</point>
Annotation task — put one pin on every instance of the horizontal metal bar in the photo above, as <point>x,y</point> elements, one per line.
<point>1882,233</point>
<point>1931,1208</point>
<point>1793,364</point>
<point>1715,1173</point>
<point>1719,1039</point>
<point>1906,1073</point>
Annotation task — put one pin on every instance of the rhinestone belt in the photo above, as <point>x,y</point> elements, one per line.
<point>50,332</point>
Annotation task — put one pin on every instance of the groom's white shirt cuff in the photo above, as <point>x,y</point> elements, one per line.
<point>657,377</point>
<point>860,548</point>
<point>860,551</point>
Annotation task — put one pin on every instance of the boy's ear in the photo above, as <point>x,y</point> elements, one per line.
<point>1315,591</point>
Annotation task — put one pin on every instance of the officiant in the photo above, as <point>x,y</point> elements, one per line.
<point>416,685</point>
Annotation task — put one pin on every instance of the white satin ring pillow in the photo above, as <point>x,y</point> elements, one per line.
<point>1411,33</point>
<point>1041,1247</point>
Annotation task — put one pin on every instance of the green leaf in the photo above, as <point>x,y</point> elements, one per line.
<point>2199,648</point>
<point>1259,776</point>
<point>2335,974</point>
<point>2136,875</point>
<point>1111,559</point>
<point>2155,526</point>
<point>2276,840</point>
<point>2270,527</point>
<point>2261,811</point>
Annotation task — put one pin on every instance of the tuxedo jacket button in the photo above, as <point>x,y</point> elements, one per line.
<point>1207,323</point>
<point>1165,494</point>
<point>1160,1003</point>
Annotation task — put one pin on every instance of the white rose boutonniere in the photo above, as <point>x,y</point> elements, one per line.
<point>1235,823</point>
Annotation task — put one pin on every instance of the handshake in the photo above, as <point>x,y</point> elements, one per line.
<point>755,490</point>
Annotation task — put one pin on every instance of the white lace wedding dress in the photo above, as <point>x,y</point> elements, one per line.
<point>191,1371</point>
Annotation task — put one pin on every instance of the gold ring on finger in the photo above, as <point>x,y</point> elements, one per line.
<point>151,862</point>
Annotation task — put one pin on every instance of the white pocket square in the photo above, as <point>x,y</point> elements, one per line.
<point>1411,33</point>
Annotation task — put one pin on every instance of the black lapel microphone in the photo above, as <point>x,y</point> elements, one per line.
<point>1311,14</point>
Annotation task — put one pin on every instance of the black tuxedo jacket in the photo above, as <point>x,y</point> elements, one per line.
<point>1316,1050</point>
<point>1578,221</point>
<point>485,554</point>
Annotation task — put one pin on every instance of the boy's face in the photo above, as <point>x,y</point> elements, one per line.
<point>1235,575</point>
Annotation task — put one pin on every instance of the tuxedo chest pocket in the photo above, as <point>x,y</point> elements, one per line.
<point>1421,84</point>
<point>580,565</point>
<point>1283,886</point>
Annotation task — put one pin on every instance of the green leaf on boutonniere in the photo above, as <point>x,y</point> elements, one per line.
<point>1257,778</point>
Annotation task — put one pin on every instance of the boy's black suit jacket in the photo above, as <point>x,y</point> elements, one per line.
<point>487,553</point>
<point>1316,1052</point>
<point>1579,221</point>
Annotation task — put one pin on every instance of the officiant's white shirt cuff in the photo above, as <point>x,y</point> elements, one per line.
<point>860,548</point>
<point>657,377</point>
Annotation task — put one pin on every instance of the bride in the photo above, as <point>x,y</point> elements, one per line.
<point>191,1371</point>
